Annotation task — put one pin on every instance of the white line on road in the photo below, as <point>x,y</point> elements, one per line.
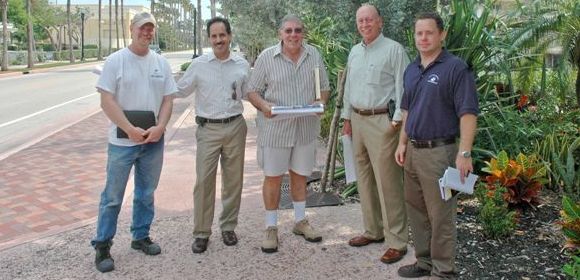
<point>45,110</point>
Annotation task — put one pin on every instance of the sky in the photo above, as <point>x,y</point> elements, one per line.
<point>205,12</point>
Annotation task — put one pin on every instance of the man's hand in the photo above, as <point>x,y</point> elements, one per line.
<point>154,133</point>
<point>266,108</point>
<point>400,154</point>
<point>136,134</point>
<point>396,124</point>
<point>346,128</point>
<point>464,166</point>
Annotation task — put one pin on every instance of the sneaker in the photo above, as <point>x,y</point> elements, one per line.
<point>270,244</point>
<point>147,246</point>
<point>103,260</point>
<point>305,229</point>
<point>413,271</point>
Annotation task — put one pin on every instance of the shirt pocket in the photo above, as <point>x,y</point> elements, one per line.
<point>374,74</point>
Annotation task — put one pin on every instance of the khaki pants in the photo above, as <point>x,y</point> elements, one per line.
<point>379,179</point>
<point>432,219</point>
<point>226,143</point>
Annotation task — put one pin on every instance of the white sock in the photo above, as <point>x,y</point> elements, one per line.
<point>271,218</point>
<point>299,210</point>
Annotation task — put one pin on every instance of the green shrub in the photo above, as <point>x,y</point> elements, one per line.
<point>184,66</point>
<point>495,217</point>
<point>46,47</point>
<point>562,152</point>
<point>572,268</point>
<point>570,223</point>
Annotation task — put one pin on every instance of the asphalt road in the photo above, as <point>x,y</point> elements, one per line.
<point>36,105</point>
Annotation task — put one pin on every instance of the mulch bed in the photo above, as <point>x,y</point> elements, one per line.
<point>532,252</point>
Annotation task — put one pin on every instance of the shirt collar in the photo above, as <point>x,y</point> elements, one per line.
<point>278,49</point>
<point>380,38</point>
<point>441,58</point>
<point>211,56</point>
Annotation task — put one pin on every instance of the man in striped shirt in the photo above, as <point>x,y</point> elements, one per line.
<point>217,79</point>
<point>284,75</point>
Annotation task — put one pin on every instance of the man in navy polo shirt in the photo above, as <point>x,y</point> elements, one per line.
<point>439,104</point>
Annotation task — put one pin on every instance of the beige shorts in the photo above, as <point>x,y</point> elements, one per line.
<point>275,161</point>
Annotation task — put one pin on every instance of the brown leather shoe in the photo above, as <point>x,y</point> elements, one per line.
<point>393,255</point>
<point>230,238</point>
<point>199,245</point>
<point>361,240</point>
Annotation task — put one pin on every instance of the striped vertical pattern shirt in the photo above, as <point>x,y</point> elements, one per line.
<point>284,83</point>
<point>217,85</point>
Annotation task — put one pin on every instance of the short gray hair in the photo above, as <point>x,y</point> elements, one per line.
<point>288,18</point>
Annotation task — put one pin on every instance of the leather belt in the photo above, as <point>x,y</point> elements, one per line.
<point>202,121</point>
<point>370,112</point>
<point>422,144</point>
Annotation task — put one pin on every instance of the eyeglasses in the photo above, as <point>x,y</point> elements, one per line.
<point>297,30</point>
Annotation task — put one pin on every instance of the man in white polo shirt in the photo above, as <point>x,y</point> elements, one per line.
<point>136,87</point>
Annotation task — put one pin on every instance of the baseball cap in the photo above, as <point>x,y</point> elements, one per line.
<point>142,18</point>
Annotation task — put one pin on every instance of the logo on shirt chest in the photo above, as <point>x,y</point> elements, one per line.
<point>433,79</point>
<point>156,74</point>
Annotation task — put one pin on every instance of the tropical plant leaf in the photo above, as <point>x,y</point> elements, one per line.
<point>571,209</point>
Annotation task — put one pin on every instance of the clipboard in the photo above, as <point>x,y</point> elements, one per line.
<point>142,119</point>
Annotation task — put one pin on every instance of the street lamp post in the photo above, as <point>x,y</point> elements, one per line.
<point>82,36</point>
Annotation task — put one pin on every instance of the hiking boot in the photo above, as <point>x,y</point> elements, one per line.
<point>413,271</point>
<point>147,246</point>
<point>270,244</point>
<point>305,229</point>
<point>103,260</point>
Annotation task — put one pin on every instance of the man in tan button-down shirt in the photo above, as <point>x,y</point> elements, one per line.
<point>375,78</point>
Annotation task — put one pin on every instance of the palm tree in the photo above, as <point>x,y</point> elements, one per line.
<point>212,5</point>
<point>110,27</point>
<point>4,7</point>
<point>117,22</point>
<point>123,23</point>
<point>550,22</point>
<point>199,23</point>
<point>99,53</point>
<point>69,32</point>
<point>30,34</point>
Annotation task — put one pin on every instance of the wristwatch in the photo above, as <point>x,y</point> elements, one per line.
<point>466,154</point>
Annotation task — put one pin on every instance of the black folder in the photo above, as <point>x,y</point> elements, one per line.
<point>142,119</point>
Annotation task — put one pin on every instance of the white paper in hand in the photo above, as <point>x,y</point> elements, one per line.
<point>451,180</point>
<point>348,156</point>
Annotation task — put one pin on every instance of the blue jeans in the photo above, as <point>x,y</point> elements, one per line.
<point>148,160</point>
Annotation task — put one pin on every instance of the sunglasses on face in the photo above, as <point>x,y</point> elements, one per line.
<point>297,30</point>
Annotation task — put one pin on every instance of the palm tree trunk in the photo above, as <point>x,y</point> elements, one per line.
<point>212,7</point>
<point>199,23</point>
<point>578,86</point>
<point>4,7</point>
<point>69,33</point>
<point>123,24</point>
<point>110,26</point>
<point>99,47</point>
<point>30,34</point>
<point>117,22</point>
